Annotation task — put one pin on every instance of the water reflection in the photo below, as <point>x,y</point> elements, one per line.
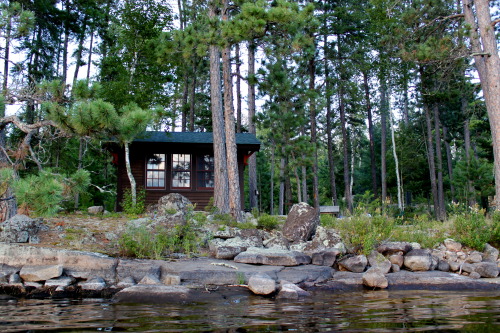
<point>377,311</point>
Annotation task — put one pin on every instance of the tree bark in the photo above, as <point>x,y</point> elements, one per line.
<point>441,209</point>
<point>329,134</point>
<point>221,190</point>
<point>430,159</point>
<point>252,161</point>
<point>79,51</point>
<point>271,182</point>
<point>449,161</point>
<point>281,200</point>
<point>383,143</point>
<point>487,61</point>
<point>231,151</point>
<point>396,163</point>
<point>373,166</point>
<point>238,88</point>
<point>312,114</point>
<point>133,185</point>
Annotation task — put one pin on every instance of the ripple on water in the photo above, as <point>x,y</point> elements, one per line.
<point>378,311</point>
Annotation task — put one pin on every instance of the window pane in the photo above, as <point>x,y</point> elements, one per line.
<point>205,175</point>
<point>181,179</point>
<point>155,171</point>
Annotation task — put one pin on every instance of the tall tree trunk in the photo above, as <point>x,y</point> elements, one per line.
<point>6,57</point>
<point>184,101</point>
<point>79,50</point>
<point>441,210</point>
<point>471,198</point>
<point>192,98</point>
<point>406,116</point>
<point>252,161</point>
<point>347,187</point>
<point>329,129</point>
<point>64,72</point>
<point>133,185</point>
<point>271,182</point>
<point>383,142</point>
<point>312,114</point>
<point>430,159</point>
<point>487,61</point>
<point>81,152</point>
<point>449,161</point>
<point>231,151</point>
<point>238,89</point>
<point>281,199</point>
<point>221,186</point>
<point>91,46</point>
<point>396,163</point>
<point>373,166</point>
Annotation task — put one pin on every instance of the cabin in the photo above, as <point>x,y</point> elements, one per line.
<point>177,162</point>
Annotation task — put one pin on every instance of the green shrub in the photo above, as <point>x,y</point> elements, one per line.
<point>327,220</point>
<point>44,193</point>
<point>268,222</point>
<point>141,242</point>
<point>140,205</point>
<point>472,230</point>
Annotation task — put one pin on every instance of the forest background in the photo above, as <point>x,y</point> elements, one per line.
<point>373,103</point>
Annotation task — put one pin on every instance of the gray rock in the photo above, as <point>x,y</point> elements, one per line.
<point>443,266</point>
<point>94,284</point>
<point>262,256</point>
<point>356,264</point>
<point>15,280</point>
<point>277,241</point>
<point>291,291</point>
<point>323,239</point>
<point>154,294</point>
<point>19,229</point>
<point>435,262</point>
<point>32,284</point>
<point>467,267</point>
<point>418,260</point>
<point>150,279</point>
<point>231,247</point>
<point>325,258</point>
<point>454,266</point>
<point>171,279</point>
<point>126,282</point>
<point>389,248</point>
<point>40,273</point>
<point>3,278</point>
<point>34,239</point>
<point>486,269</point>
<point>301,223</point>
<point>395,268</point>
<point>261,284</point>
<point>137,269</point>
<point>397,259</point>
<point>173,202</point>
<point>374,278</point>
<point>62,281</point>
<point>474,257</point>
<point>490,253</point>
<point>377,260</point>
<point>474,275</point>
<point>95,210</point>
<point>415,246</point>
<point>305,273</point>
<point>452,245</point>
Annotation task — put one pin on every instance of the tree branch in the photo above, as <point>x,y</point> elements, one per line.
<point>26,128</point>
<point>493,23</point>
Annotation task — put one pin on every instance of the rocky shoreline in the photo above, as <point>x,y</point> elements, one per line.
<point>34,272</point>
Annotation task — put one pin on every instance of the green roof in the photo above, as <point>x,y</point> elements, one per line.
<point>192,137</point>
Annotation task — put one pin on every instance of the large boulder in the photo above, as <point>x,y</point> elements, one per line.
<point>171,203</point>
<point>291,291</point>
<point>490,253</point>
<point>452,245</point>
<point>323,239</point>
<point>418,260</point>
<point>231,247</point>
<point>486,269</point>
<point>19,229</point>
<point>356,264</point>
<point>374,278</point>
<point>261,284</point>
<point>377,260</point>
<point>275,257</point>
<point>390,248</point>
<point>40,272</point>
<point>301,223</point>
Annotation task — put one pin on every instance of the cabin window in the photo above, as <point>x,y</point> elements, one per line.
<point>181,170</point>
<point>155,171</point>
<point>205,171</point>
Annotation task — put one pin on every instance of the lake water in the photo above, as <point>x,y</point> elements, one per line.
<point>377,311</point>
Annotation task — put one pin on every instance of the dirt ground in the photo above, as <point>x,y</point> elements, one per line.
<point>83,232</point>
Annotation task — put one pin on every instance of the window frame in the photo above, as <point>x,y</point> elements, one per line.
<point>159,170</point>
<point>185,170</point>
<point>200,171</point>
